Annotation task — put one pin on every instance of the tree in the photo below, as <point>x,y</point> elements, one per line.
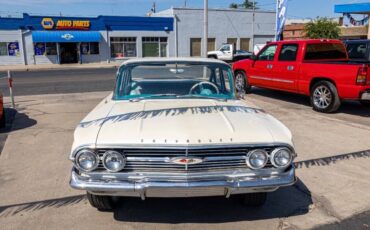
<point>322,28</point>
<point>247,4</point>
<point>234,6</point>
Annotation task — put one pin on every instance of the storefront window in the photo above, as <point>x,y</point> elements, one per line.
<point>3,49</point>
<point>154,46</point>
<point>123,47</point>
<point>49,48</point>
<point>89,48</point>
<point>94,47</point>
<point>9,49</point>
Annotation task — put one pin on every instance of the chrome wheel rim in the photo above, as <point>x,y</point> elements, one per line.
<point>239,82</point>
<point>322,97</point>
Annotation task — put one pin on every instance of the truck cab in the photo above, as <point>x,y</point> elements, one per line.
<point>225,52</point>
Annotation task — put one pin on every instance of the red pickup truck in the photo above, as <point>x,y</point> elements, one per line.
<point>316,68</point>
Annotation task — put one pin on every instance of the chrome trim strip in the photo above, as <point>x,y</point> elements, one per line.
<point>179,147</point>
<point>272,79</point>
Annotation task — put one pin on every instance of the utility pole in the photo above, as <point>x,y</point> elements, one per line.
<point>252,38</point>
<point>205,29</point>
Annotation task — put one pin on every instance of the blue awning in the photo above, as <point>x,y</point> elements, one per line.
<point>66,36</point>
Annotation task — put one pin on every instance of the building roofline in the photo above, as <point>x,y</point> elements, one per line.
<point>223,9</point>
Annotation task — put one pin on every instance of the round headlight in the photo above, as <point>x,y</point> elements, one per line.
<point>113,161</point>
<point>257,159</point>
<point>86,160</point>
<point>281,157</point>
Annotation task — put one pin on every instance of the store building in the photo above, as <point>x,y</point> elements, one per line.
<point>58,40</point>
<point>242,27</point>
<point>34,40</point>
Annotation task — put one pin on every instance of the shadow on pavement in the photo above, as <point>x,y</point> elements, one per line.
<point>11,210</point>
<point>290,201</point>
<point>347,107</point>
<point>326,161</point>
<point>16,121</point>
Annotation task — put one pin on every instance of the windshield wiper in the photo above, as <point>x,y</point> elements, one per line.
<point>153,96</point>
<point>202,96</point>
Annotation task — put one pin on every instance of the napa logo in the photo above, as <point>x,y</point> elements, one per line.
<point>67,36</point>
<point>47,23</point>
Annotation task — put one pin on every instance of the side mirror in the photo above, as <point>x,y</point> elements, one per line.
<point>253,57</point>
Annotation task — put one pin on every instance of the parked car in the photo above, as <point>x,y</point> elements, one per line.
<point>358,50</point>
<point>316,68</point>
<point>228,53</point>
<point>175,128</point>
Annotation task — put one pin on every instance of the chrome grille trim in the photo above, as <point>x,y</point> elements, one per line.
<point>159,160</point>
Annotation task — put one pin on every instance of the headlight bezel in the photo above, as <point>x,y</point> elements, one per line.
<point>120,155</point>
<point>276,151</point>
<point>79,154</point>
<point>248,162</point>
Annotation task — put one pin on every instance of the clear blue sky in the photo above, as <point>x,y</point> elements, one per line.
<point>296,8</point>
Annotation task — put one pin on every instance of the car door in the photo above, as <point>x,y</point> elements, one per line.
<point>260,73</point>
<point>225,52</point>
<point>286,69</point>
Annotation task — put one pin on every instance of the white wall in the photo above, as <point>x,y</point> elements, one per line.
<point>12,36</point>
<point>223,24</point>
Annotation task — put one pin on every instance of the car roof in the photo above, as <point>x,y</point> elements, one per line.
<point>178,59</point>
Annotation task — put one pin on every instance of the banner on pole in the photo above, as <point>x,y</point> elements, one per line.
<point>281,10</point>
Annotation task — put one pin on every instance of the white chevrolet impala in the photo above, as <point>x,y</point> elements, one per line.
<point>176,128</point>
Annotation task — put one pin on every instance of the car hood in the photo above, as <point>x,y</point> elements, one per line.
<point>183,122</point>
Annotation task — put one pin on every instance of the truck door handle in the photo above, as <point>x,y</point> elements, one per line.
<point>290,67</point>
<point>269,66</point>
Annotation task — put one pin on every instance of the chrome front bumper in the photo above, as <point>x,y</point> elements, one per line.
<point>209,185</point>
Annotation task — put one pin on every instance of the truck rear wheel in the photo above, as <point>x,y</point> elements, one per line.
<point>324,97</point>
<point>102,203</point>
<point>212,56</point>
<point>241,82</point>
<point>365,103</point>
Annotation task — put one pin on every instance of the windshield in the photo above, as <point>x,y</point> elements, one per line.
<point>174,80</point>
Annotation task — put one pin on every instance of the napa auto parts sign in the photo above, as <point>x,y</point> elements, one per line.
<point>49,24</point>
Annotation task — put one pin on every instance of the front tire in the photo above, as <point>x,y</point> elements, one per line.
<point>3,120</point>
<point>102,203</point>
<point>254,199</point>
<point>241,82</point>
<point>324,97</point>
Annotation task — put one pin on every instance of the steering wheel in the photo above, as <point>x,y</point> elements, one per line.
<point>200,84</point>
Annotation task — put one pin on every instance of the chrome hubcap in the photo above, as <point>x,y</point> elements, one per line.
<point>322,97</point>
<point>239,82</point>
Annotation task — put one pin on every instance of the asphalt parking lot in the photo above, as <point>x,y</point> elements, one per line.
<point>333,186</point>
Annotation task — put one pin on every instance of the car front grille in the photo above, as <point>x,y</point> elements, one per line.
<point>159,160</point>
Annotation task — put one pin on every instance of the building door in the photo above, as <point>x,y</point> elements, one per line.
<point>211,44</point>
<point>244,44</point>
<point>68,53</point>
<point>195,47</point>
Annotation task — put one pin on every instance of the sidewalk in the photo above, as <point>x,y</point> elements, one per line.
<point>58,66</point>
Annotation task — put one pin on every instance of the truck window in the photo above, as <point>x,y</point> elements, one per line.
<point>268,53</point>
<point>356,50</point>
<point>321,51</point>
<point>225,48</point>
<point>288,52</point>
